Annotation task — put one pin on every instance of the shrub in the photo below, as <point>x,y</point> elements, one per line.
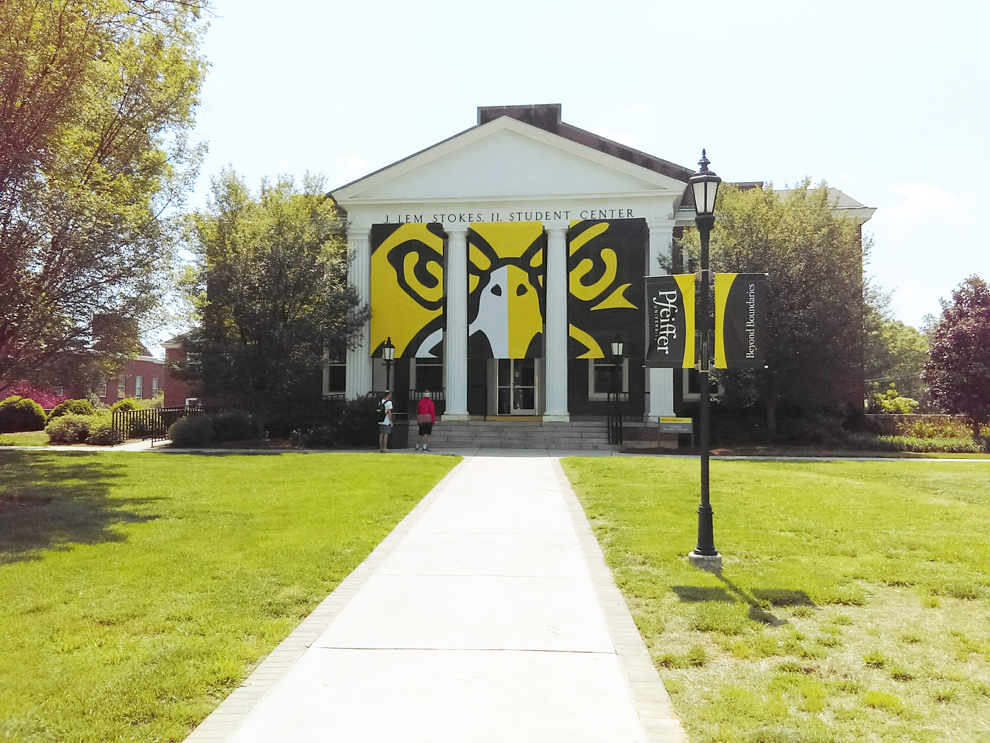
<point>317,437</point>
<point>358,424</point>
<point>191,431</point>
<point>70,428</point>
<point>101,432</point>
<point>76,407</point>
<point>21,414</point>
<point>126,404</point>
<point>233,426</point>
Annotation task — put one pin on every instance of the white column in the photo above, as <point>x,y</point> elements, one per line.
<point>455,339</point>
<point>556,327</point>
<point>358,379</point>
<point>661,380</point>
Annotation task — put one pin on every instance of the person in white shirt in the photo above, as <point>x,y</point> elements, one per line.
<point>385,425</point>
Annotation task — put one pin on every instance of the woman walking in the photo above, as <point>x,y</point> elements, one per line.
<point>426,416</point>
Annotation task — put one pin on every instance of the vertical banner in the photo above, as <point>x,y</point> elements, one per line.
<point>506,290</point>
<point>407,264</point>
<point>605,263</point>
<point>740,320</point>
<point>670,321</point>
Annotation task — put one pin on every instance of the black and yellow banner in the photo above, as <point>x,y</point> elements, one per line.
<point>407,298</point>
<point>605,262</point>
<point>670,321</point>
<point>506,290</point>
<point>740,320</point>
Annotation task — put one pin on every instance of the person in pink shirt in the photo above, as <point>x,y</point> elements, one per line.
<point>426,415</point>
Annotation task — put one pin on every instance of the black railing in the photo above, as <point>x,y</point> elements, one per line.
<point>617,405</point>
<point>154,423</point>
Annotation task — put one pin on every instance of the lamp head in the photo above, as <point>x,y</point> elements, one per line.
<point>704,187</point>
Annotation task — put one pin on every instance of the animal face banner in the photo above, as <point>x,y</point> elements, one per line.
<point>407,297</point>
<point>606,262</point>
<point>506,295</point>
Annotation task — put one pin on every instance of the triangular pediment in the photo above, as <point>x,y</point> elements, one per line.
<point>504,159</point>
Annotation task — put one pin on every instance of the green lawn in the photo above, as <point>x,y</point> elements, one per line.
<point>139,589</point>
<point>852,606</point>
<point>27,438</point>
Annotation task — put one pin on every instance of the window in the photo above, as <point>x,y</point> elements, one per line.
<point>139,387</point>
<point>102,390</point>
<point>692,386</point>
<point>154,386</point>
<point>601,378</point>
<point>121,389</point>
<point>426,374</point>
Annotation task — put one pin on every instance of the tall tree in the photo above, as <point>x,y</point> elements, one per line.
<point>97,98</point>
<point>815,308</point>
<point>958,368</point>
<point>270,287</point>
<point>894,353</point>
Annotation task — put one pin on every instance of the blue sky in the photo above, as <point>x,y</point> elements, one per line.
<point>887,101</point>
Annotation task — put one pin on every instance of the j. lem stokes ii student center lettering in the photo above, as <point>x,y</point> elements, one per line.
<point>503,262</point>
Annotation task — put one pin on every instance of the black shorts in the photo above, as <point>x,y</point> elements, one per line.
<point>425,429</point>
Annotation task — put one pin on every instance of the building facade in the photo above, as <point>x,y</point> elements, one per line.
<point>501,264</point>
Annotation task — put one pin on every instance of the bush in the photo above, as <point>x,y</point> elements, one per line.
<point>75,407</point>
<point>913,444</point>
<point>70,428</point>
<point>21,414</point>
<point>358,424</point>
<point>191,431</point>
<point>233,426</point>
<point>318,437</point>
<point>101,432</point>
<point>127,403</point>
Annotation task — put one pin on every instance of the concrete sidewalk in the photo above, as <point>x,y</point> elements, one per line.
<point>488,614</point>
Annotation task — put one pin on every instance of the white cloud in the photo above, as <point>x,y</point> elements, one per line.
<point>920,202</point>
<point>355,163</point>
<point>634,109</point>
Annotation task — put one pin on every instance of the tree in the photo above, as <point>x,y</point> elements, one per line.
<point>895,353</point>
<point>815,307</point>
<point>97,98</point>
<point>269,288</point>
<point>958,368</point>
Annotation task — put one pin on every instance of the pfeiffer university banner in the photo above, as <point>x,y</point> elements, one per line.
<point>740,320</point>
<point>670,321</point>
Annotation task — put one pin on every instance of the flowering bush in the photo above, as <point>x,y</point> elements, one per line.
<point>44,398</point>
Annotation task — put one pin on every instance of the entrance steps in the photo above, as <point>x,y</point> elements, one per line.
<point>527,434</point>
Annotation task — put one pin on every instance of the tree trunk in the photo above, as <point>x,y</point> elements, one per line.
<point>976,432</point>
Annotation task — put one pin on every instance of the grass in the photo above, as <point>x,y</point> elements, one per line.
<point>27,438</point>
<point>139,589</point>
<point>852,605</point>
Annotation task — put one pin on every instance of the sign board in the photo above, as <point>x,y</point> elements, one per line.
<point>740,320</point>
<point>676,425</point>
<point>670,321</point>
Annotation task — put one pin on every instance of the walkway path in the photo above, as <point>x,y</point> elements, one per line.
<point>487,615</point>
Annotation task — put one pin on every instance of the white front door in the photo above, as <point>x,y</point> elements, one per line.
<point>516,383</point>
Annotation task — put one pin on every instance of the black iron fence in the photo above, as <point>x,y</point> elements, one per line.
<point>154,423</point>
<point>618,405</point>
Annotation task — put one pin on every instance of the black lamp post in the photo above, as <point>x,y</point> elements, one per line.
<point>615,415</point>
<point>704,187</point>
<point>388,353</point>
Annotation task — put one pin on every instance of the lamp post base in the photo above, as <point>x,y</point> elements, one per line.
<point>710,563</point>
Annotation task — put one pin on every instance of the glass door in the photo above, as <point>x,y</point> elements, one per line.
<point>516,387</point>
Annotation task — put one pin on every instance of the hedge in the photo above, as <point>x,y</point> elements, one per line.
<point>21,414</point>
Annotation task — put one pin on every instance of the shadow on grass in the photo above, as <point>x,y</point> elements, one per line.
<point>756,598</point>
<point>56,501</point>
